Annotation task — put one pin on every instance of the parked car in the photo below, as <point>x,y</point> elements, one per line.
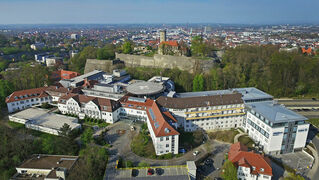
<point>182,150</point>
<point>150,171</point>
<point>195,153</point>
<point>135,172</point>
<point>159,171</point>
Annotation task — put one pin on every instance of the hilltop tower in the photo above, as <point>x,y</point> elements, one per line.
<point>162,35</point>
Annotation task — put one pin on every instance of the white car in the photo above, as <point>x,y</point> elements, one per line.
<point>195,153</point>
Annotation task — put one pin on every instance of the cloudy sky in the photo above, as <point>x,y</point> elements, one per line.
<point>158,11</point>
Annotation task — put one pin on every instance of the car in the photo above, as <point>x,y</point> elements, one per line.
<point>159,171</point>
<point>150,171</point>
<point>182,150</point>
<point>132,128</point>
<point>195,153</point>
<point>135,172</point>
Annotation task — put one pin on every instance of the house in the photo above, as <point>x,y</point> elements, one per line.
<point>250,165</point>
<point>47,167</point>
<point>94,107</point>
<point>58,91</point>
<point>23,99</point>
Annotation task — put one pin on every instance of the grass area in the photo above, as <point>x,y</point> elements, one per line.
<point>247,141</point>
<point>313,146</point>
<point>190,140</point>
<point>142,145</point>
<point>314,122</point>
<point>225,136</point>
<point>15,125</point>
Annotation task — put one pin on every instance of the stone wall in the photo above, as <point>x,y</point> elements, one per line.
<point>103,65</point>
<point>165,61</point>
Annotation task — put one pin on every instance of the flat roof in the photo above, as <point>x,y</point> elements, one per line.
<point>249,93</point>
<point>45,118</point>
<point>275,113</point>
<point>44,161</point>
<point>145,88</point>
<point>82,77</point>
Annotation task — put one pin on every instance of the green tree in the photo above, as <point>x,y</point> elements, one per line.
<point>107,52</point>
<point>6,88</point>
<point>198,83</point>
<point>127,47</point>
<point>65,130</point>
<point>229,171</point>
<point>87,136</point>
<point>77,63</point>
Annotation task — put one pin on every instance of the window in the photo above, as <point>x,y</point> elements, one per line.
<point>161,139</point>
<point>167,145</point>
<point>167,138</point>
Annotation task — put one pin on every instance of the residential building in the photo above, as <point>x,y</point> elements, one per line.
<point>74,36</point>
<point>58,91</point>
<point>274,128</point>
<point>52,61</point>
<point>94,107</point>
<point>23,99</point>
<point>161,125</point>
<point>47,167</point>
<point>213,112</point>
<point>43,120</point>
<point>250,165</point>
<point>37,46</point>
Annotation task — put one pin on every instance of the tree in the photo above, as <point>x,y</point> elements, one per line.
<point>91,164</point>
<point>65,130</point>
<point>198,83</point>
<point>87,136</point>
<point>127,47</point>
<point>229,171</point>
<point>3,40</point>
<point>77,63</point>
<point>6,88</point>
<point>107,52</point>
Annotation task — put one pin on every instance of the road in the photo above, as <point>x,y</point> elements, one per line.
<point>315,142</point>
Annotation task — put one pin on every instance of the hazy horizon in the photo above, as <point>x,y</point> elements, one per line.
<point>158,12</point>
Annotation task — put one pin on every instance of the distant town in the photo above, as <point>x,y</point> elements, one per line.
<point>185,101</point>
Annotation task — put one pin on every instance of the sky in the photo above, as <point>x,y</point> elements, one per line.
<point>158,11</point>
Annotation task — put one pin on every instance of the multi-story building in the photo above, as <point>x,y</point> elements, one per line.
<point>79,80</point>
<point>250,165</point>
<point>275,128</point>
<point>94,107</point>
<point>161,125</point>
<point>223,111</point>
<point>63,74</point>
<point>23,99</point>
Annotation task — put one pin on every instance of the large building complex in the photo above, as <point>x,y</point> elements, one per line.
<point>110,97</point>
<point>206,112</point>
<point>275,128</point>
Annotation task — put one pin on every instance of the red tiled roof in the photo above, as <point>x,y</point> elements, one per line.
<point>308,50</point>
<point>134,104</point>
<point>63,74</point>
<point>26,94</point>
<point>100,102</point>
<point>163,128</point>
<point>170,116</point>
<point>170,43</point>
<point>239,156</point>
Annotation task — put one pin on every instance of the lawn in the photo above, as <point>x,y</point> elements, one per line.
<point>314,122</point>
<point>225,136</point>
<point>247,141</point>
<point>15,125</point>
<point>142,145</point>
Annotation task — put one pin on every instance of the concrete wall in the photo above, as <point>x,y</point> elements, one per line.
<point>165,61</point>
<point>158,61</point>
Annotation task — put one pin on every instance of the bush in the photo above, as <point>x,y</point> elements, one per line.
<point>143,164</point>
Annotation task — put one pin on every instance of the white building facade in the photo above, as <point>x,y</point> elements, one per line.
<point>276,129</point>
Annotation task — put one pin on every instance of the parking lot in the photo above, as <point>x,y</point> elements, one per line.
<point>298,160</point>
<point>176,173</point>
